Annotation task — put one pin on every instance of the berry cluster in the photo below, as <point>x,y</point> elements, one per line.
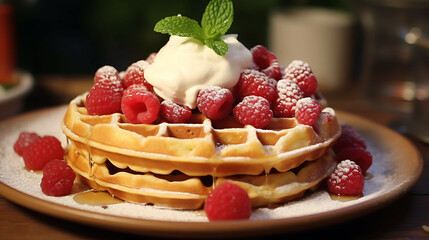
<point>353,162</point>
<point>261,93</point>
<point>46,153</point>
<point>132,95</point>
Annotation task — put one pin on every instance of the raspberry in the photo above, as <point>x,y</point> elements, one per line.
<point>266,62</point>
<point>215,102</point>
<point>104,99</point>
<point>300,72</point>
<point>307,110</point>
<point>105,96</point>
<point>356,154</point>
<point>139,105</point>
<point>349,137</point>
<point>175,113</point>
<point>253,82</point>
<point>107,72</point>
<point>151,58</point>
<point>288,94</point>
<point>347,179</point>
<point>135,75</point>
<point>253,110</point>
<point>273,83</point>
<point>228,201</point>
<point>57,179</point>
<point>24,139</point>
<point>42,151</point>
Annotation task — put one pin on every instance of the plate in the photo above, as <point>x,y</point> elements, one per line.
<point>397,166</point>
<point>12,100</point>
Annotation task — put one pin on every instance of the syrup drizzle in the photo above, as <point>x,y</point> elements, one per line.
<point>368,176</point>
<point>268,191</point>
<point>214,178</point>
<point>33,171</point>
<point>343,198</point>
<point>96,198</point>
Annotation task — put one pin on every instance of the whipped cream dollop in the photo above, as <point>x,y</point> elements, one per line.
<point>184,66</point>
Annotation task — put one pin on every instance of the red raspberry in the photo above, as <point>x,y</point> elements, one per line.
<point>300,72</point>
<point>104,98</point>
<point>215,102</point>
<point>58,178</point>
<point>175,113</point>
<point>24,139</point>
<point>349,138</point>
<point>288,94</point>
<point>347,179</point>
<point>135,75</point>
<point>273,83</point>
<point>139,105</point>
<point>253,110</point>
<point>228,201</point>
<point>151,58</point>
<point>266,62</point>
<point>307,110</point>
<point>108,73</point>
<point>253,82</point>
<point>357,154</point>
<point>42,151</point>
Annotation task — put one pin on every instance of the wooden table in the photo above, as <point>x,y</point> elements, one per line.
<point>403,219</point>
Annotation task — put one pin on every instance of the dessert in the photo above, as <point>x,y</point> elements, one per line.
<point>206,111</point>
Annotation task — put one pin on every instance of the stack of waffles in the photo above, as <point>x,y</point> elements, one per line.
<point>178,164</point>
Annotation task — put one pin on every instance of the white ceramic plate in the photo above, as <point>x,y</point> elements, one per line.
<point>11,101</point>
<point>396,168</point>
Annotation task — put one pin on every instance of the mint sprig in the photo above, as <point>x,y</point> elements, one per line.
<point>216,21</point>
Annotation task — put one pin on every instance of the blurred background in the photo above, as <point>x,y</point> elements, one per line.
<point>77,37</point>
<point>62,42</point>
<point>376,50</point>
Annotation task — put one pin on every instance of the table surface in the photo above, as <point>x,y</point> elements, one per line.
<point>402,219</point>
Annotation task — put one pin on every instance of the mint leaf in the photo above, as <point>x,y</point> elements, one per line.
<point>216,21</point>
<point>180,26</point>
<point>217,18</point>
<point>218,45</point>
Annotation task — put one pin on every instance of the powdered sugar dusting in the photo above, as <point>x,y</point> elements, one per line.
<point>108,73</point>
<point>253,110</point>
<point>300,72</point>
<point>305,102</point>
<point>288,95</point>
<point>341,173</point>
<point>297,69</point>
<point>175,113</point>
<point>47,122</point>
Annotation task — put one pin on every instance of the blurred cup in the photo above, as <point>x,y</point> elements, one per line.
<point>7,54</point>
<point>389,55</point>
<point>418,124</point>
<point>395,69</point>
<point>321,37</point>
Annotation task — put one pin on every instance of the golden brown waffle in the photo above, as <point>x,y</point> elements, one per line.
<point>178,190</point>
<point>133,161</point>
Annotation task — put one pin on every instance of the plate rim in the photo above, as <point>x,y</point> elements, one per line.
<point>254,227</point>
<point>26,83</point>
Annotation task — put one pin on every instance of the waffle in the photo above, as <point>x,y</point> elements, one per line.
<point>176,165</point>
